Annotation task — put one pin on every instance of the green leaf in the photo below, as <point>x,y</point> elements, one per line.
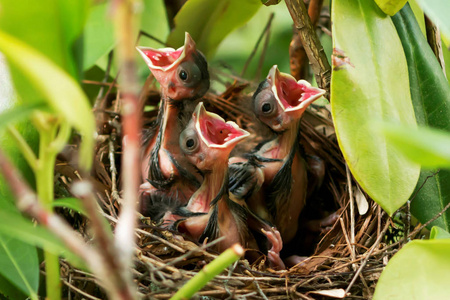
<point>19,264</point>
<point>19,113</point>
<point>25,231</point>
<point>370,82</point>
<point>98,35</point>
<point>427,147</point>
<point>439,233</point>
<point>209,22</point>
<point>49,26</point>
<point>71,203</point>
<point>420,270</point>
<point>9,290</point>
<point>430,95</point>
<point>61,92</point>
<point>438,11</point>
<point>390,7</point>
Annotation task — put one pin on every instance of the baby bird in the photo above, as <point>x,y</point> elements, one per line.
<point>183,77</point>
<point>207,142</point>
<point>276,167</point>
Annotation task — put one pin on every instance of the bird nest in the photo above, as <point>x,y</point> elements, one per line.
<point>345,260</point>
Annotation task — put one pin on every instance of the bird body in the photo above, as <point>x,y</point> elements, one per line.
<point>184,78</point>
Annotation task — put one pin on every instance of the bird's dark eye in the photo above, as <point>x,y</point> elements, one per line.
<point>264,103</point>
<point>189,141</point>
<point>183,75</point>
<point>266,108</point>
<point>189,73</point>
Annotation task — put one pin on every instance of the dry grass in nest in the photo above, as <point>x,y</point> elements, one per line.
<point>348,258</point>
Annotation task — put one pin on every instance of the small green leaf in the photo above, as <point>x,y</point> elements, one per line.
<point>439,233</point>
<point>370,82</point>
<point>427,147</point>
<point>61,92</point>
<point>438,11</point>
<point>19,113</point>
<point>26,232</point>
<point>390,7</point>
<point>19,264</point>
<point>430,96</point>
<point>98,35</point>
<point>420,270</point>
<point>209,22</point>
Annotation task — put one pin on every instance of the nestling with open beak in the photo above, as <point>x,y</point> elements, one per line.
<point>279,102</point>
<point>183,77</point>
<point>207,142</point>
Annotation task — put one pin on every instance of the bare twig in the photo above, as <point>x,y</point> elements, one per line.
<point>124,16</point>
<point>252,54</point>
<point>297,54</point>
<point>368,254</point>
<point>352,212</point>
<point>434,40</point>
<point>311,43</point>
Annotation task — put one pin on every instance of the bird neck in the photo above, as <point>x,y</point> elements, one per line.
<point>286,140</point>
<point>212,187</point>
<point>170,127</point>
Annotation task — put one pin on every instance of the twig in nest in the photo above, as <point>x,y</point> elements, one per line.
<point>368,254</point>
<point>75,289</point>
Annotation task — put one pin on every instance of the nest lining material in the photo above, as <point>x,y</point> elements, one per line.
<point>165,260</point>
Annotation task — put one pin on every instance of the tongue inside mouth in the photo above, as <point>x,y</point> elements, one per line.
<point>163,57</point>
<point>215,131</point>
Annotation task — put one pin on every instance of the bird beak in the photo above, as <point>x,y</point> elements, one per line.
<point>215,132</point>
<point>292,95</point>
<point>166,59</point>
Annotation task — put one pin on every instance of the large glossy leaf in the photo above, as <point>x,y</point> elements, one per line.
<point>427,147</point>
<point>18,267</point>
<point>420,270</point>
<point>209,22</point>
<point>439,12</point>
<point>370,82</point>
<point>430,94</point>
<point>61,92</point>
<point>390,7</point>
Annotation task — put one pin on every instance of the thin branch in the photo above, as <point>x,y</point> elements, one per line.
<point>311,43</point>
<point>252,54</point>
<point>368,254</point>
<point>434,40</point>
<point>124,17</point>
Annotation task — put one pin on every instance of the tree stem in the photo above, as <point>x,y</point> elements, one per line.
<point>311,43</point>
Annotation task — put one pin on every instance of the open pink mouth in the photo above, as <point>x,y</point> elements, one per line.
<point>162,58</point>
<point>214,131</point>
<point>167,58</point>
<point>290,93</point>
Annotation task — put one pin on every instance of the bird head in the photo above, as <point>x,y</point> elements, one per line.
<point>208,140</point>
<point>182,73</point>
<point>280,99</point>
